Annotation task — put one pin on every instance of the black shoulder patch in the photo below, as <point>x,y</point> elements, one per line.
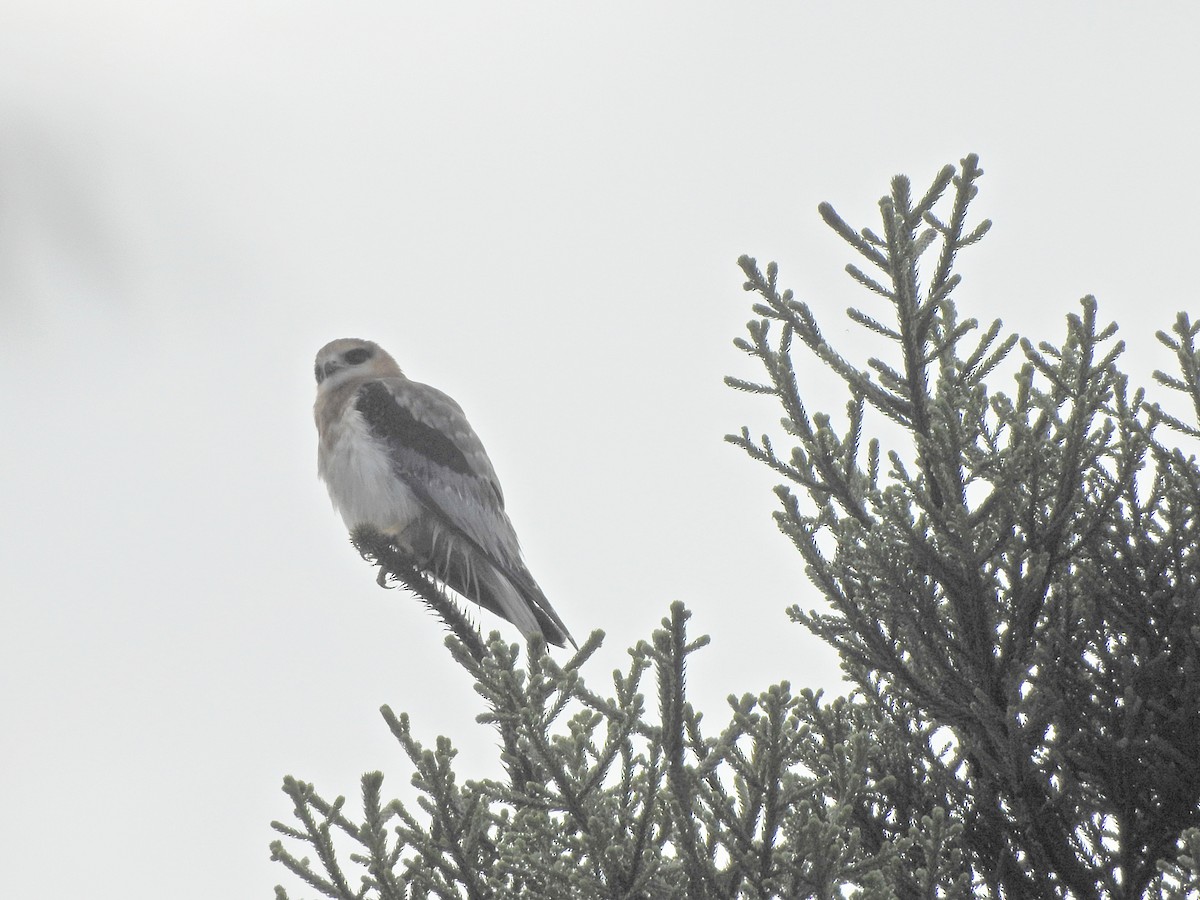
<point>394,423</point>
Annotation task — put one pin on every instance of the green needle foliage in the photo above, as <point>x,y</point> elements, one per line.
<point>606,800</point>
<point>1012,588</point>
<point>1014,593</point>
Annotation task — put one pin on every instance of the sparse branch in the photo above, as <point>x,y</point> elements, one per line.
<point>1187,356</point>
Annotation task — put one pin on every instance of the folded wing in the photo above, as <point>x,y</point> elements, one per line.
<point>466,535</point>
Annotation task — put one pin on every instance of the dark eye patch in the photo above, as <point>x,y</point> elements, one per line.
<point>357,355</point>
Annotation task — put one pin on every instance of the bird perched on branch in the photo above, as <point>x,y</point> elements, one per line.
<point>400,457</point>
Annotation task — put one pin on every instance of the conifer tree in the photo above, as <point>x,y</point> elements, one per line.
<point>1012,588</point>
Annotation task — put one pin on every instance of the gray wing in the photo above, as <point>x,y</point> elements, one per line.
<point>429,439</point>
<point>436,453</point>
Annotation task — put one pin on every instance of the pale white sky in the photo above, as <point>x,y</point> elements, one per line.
<point>536,207</point>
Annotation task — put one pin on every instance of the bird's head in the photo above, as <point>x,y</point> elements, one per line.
<point>348,358</point>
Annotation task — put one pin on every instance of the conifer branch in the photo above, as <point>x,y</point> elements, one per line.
<point>989,590</point>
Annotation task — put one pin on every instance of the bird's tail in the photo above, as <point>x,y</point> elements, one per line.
<point>518,598</point>
<point>509,592</point>
<point>522,611</point>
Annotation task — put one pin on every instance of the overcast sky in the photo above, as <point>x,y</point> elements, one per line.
<point>537,208</point>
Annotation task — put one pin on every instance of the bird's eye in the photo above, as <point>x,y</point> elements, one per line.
<point>357,355</point>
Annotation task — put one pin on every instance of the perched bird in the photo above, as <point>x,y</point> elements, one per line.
<point>400,457</point>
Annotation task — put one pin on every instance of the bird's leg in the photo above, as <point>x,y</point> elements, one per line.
<point>375,547</point>
<point>402,553</point>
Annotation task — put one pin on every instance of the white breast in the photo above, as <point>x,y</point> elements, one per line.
<point>358,473</point>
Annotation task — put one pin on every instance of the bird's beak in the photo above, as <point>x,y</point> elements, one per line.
<point>323,372</point>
